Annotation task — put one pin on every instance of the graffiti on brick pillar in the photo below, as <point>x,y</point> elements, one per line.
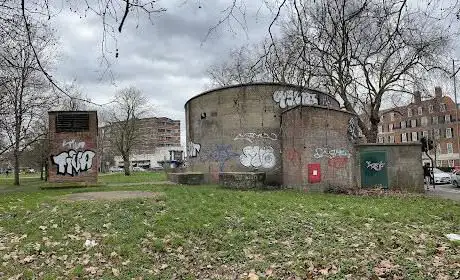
<point>251,136</point>
<point>73,144</point>
<point>287,98</point>
<point>331,153</point>
<point>338,162</point>
<point>353,130</point>
<point>222,154</point>
<point>193,149</point>
<point>255,156</point>
<point>73,162</point>
<point>376,166</point>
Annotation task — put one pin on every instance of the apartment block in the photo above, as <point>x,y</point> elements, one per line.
<point>435,118</point>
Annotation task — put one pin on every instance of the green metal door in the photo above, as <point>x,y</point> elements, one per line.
<point>374,169</point>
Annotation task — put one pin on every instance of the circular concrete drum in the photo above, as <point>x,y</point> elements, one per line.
<point>237,128</point>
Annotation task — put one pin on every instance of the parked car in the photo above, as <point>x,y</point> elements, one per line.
<point>455,178</point>
<point>115,169</point>
<point>138,169</point>
<point>441,177</point>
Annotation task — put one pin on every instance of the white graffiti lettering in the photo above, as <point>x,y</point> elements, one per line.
<point>331,153</point>
<point>376,166</point>
<point>255,156</point>
<point>193,149</point>
<point>73,144</point>
<point>251,136</point>
<point>292,98</point>
<point>72,162</point>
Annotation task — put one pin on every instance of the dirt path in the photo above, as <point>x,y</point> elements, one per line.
<point>110,195</point>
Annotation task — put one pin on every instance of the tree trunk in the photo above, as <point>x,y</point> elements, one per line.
<point>46,169</point>
<point>371,134</point>
<point>126,165</point>
<point>16,167</point>
<point>41,170</point>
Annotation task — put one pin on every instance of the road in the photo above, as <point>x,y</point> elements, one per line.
<point>445,191</point>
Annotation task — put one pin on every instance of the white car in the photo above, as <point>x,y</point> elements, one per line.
<point>116,169</point>
<point>441,177</point>
<point>138,169</point>
<point>455,177</point>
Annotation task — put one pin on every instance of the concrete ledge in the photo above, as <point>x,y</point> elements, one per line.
<point>242,180</point>
<point>187,178</point>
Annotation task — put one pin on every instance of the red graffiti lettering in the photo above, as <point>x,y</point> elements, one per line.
<point>338,162</point>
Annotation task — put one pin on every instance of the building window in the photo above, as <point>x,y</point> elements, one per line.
<point>72,122</point>
<point>419,111</point>
<point>381,118</point>
<point>451,163</point>
<point>391,139</point>
<point>403,124</point>
<point>449,132</point>
<point>425,133</point>
<point>414,136</point>
<point>450,149</point>
<point>409,112</point>
<point>404,137</point>
<point>436,133</point>
<point>430,108</point>
<point>447,118</point>
<point>424,121</point>
<point>442,107</point>
<point>390,127</point>
<point>380,129</point>
<point>435,120</point>
<point>380,139</point>
<point>161,130</point>
<point>413,123</point>
<point>392,116</point>
<point>438,149</point>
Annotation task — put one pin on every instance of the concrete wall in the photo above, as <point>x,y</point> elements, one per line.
<point>238,128</point>
<point>321,136</point>
<point>73,155</point>
<point>404,165</point>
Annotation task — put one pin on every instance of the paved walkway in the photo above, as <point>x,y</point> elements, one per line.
<point>444,191</point>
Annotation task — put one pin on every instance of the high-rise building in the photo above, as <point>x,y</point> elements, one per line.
<point>157,137</point>
<point>434,118</point>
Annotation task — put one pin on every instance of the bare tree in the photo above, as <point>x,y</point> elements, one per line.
<point>364,51</point>
<point>122,123</point>
<point>25,90</point>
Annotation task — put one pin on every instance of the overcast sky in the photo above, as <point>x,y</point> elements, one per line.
<point>167,60</point>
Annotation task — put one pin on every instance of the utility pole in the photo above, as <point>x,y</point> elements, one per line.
<point>454,74</point>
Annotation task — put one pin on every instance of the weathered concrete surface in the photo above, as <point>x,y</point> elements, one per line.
<point>317,135</point>
<point>242,180</point>
<point>187,178</point>
<point>237,128</point>
<point>404,165</point>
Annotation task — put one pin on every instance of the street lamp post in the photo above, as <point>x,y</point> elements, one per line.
<point>454,73</point>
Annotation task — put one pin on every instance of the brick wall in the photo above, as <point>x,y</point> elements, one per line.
<point>73,155</point>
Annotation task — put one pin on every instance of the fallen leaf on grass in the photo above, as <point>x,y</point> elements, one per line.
<point>115,272</point>
<point>253,276</point>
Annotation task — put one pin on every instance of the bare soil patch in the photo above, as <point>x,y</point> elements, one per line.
<point>112,195</point>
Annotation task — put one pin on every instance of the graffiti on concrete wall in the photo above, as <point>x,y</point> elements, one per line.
<point>376,166</point>
<point>221,154</point>
<point>331,153</point>
<point>193,149</point>
<point>338,162</point>
<point>287,98</point>
<point>73,162</point>
<point>251,136</point>
<point>255,156</point>
<point>293,156</point>
<point>353,130</point>
<point>73,144</point>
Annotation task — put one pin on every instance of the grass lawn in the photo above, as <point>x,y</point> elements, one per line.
<point>199,232</point>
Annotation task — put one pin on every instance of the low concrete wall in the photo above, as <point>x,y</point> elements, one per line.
<point>242,180</point>
<point>187,178</point>
<point>403,165</point>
